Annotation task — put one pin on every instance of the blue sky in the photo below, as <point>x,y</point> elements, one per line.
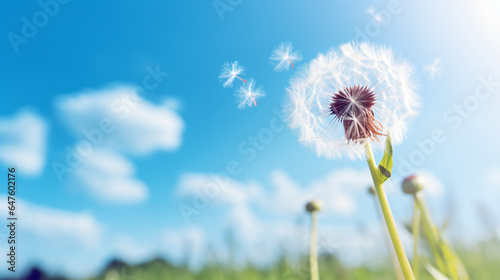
<point>125,195</point>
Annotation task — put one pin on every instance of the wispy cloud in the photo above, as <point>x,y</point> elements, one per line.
<point>338,188</point>
<point>56,224</point>
<point>111,124</point>
<point>23,141</point>
<point>135,125</point>
<point>282,201</point>
<point>110,177</point>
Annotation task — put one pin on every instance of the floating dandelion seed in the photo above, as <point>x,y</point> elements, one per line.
<point>284,56</point>
<point>348,96</point>
<point>247,95</point>
<point>230,72</point>
<point>434,69</point>
<point>375,16</point>
<point>370,10</point>
<point>378,18</point>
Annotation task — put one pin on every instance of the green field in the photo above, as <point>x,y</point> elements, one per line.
<point>482,263</point>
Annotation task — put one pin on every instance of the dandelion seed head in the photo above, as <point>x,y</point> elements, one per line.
<point>372,190</point>
<point>352,106</point>
<point>248,94</point>
<point>347,96</point>
<point>230,71</point>
<point>283,56</point>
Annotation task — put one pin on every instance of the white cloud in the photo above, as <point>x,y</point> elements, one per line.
<point>211,189</point>
<point>111,123</point>
<point>54,223</point>
<point>217,189</point>
<point>110,177</point>
<point>337,188</point>
<point>283,203</point>
<point>355,244</point>
<point>23,142</point>
<point>135,125</point>
<point>284,197</point>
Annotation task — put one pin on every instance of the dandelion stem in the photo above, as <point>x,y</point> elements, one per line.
<point>416,235</point>
<point>389,219</point>
<point>387,237</point>
<point>434,238</point>
<point>289,60</point>
<point>241,79</point>
<point>313,253</point>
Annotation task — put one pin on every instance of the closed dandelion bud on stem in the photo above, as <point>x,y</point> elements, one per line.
<point>412,184</point>
<point>314,206</point>
<point>372,190</point>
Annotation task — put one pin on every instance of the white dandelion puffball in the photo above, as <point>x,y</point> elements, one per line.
<point>284,56</point>
<point>230,72</point>
<point>348,96</point>
<point>248,94</point>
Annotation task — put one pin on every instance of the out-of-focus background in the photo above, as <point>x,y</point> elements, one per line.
<point>128,149</point>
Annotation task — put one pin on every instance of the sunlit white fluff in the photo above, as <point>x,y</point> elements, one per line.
<point>230,72</point>
<point>248,94</point>
<point>284,56</point>
<point>311,91</point>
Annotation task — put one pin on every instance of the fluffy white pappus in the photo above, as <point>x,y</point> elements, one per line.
<point>230,71</point>
<point>283,56</point>
<point>248,94</point>
<point>311,109</point>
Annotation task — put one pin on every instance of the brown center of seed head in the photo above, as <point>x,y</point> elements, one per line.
<point>353,107</point>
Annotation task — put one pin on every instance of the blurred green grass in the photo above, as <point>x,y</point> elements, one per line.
<point>482,263</point>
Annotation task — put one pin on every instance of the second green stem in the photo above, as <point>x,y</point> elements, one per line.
<point>313,254</point>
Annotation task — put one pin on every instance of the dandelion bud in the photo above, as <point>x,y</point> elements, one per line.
<point>314,206</point>
<point>372,190</point>
<point>412,184</point>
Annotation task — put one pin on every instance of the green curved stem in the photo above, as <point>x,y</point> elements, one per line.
<point>387,237</point>
<point>389,219</point>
